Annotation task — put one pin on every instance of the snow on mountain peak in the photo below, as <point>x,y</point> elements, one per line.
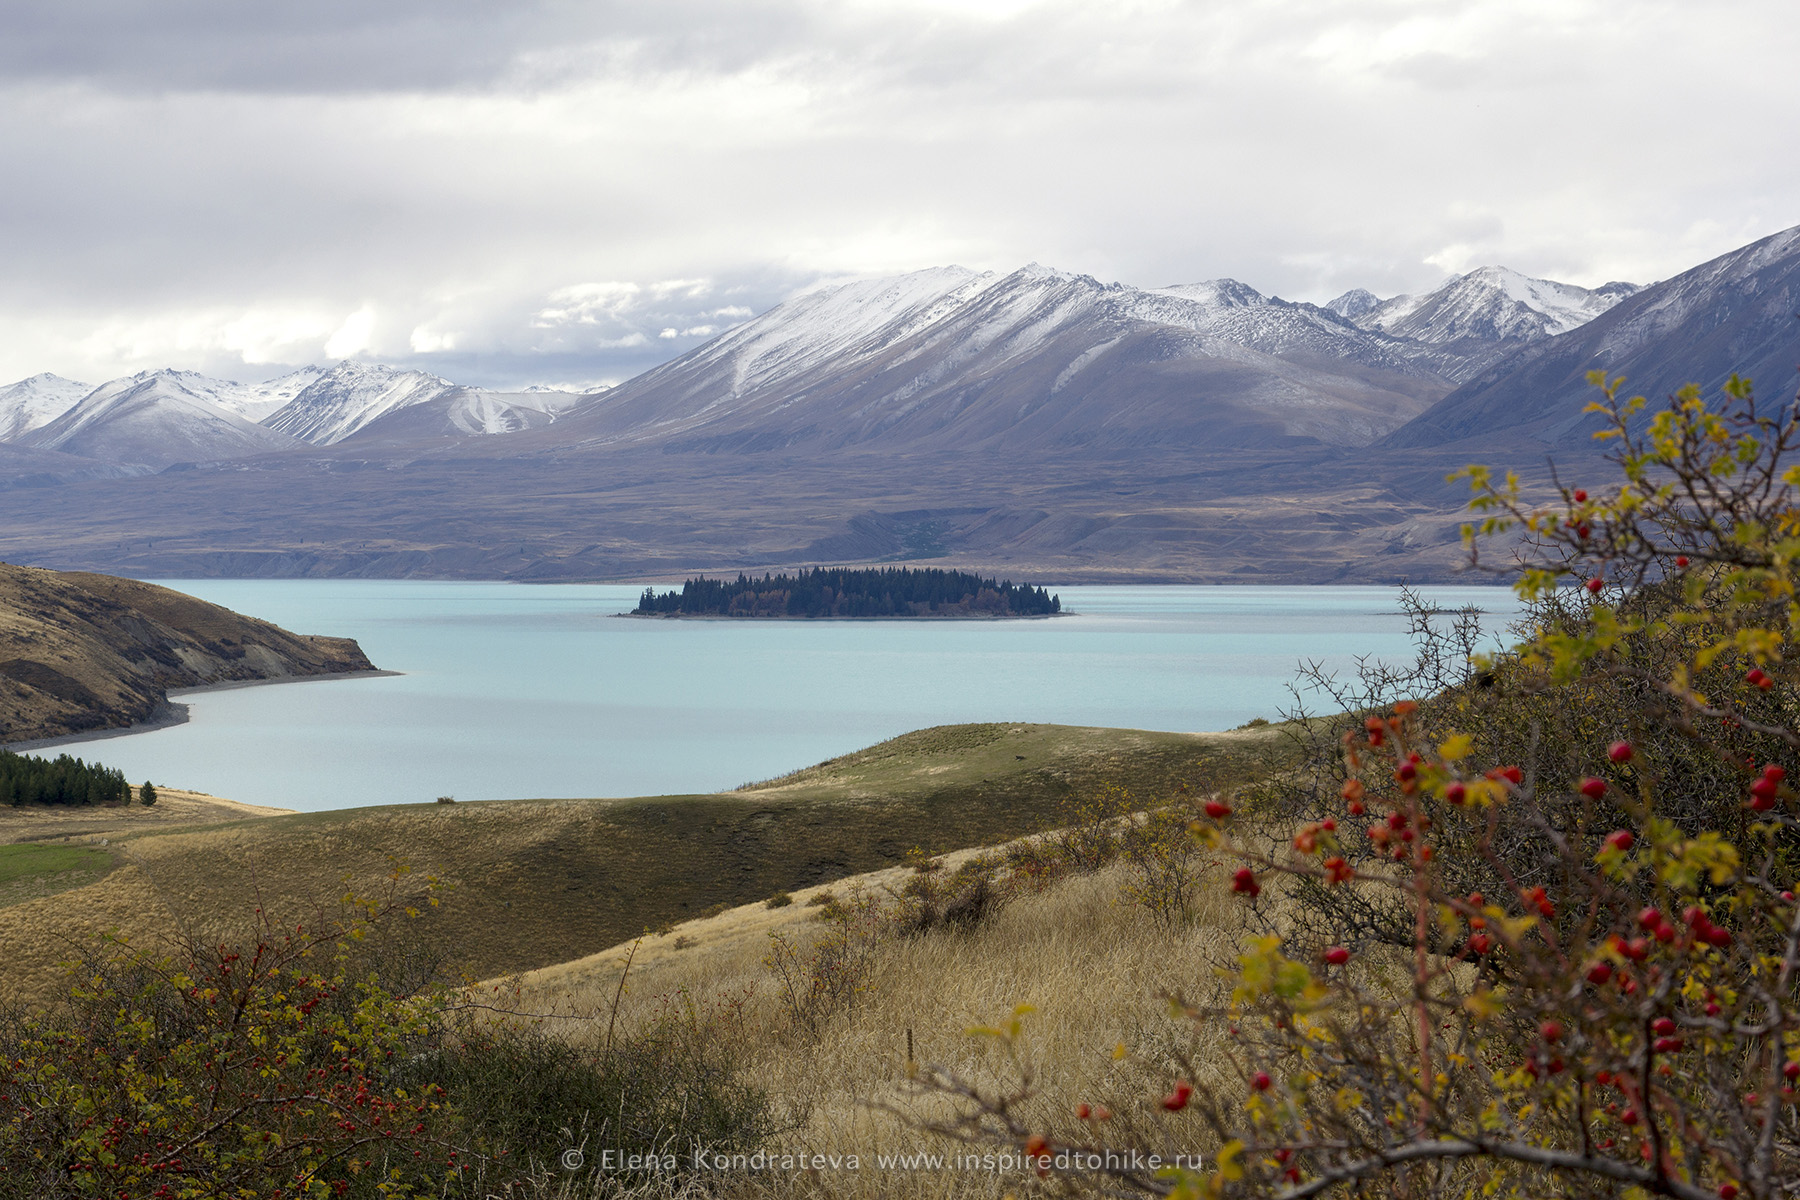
<point>344,399</point>
<point>1226,293</point>
<point>1495,304</point>
<point>156,418</point>
<point>35,402</point>
<point>1353,303</point>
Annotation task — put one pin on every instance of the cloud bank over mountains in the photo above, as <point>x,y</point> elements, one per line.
<point>573,193</point>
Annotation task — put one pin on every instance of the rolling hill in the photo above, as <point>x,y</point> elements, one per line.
<point>82,652</point>
<point>536,882</point>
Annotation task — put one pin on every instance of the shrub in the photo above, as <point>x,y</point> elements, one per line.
<point>1581,855</point>
<point>963,900</point>
<point>331,1060</point>
<point>814,980</point>
<point>778,900</point>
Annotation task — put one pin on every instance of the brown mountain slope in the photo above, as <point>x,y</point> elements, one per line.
<point>81,652</point>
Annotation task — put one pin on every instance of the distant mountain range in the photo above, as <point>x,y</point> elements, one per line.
<point>1037,418</point>
<point>156,419</point>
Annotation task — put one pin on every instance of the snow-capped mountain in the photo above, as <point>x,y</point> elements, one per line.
<point>157,419</point>
<point>1489,312</point>
<point>468,412</point>
<point>950,359</point>
<point>1735,313</point>
<point>252,401</point>
<point>349,396</point>
<point>35,402</point>
<point>1353,303</point>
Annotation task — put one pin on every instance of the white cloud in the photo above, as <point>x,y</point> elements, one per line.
<point>353,336</point>
<point>429,341</point>
<point>554,182</point>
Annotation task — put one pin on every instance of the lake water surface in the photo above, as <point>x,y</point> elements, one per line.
<point>513,690</point>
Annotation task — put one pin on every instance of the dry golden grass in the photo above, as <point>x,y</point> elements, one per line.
<point>174,808</point>
<point>538,882</point>
<point>1093,964</point>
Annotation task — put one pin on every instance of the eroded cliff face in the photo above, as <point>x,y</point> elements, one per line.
<point>81,652</point>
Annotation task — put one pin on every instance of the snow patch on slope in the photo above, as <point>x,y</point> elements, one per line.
<point>1494,304</point>
<point>35,402</point>
<point>349,396</point>
<point>156,418</point>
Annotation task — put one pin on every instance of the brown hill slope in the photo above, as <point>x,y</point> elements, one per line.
<point>536,882</point>
<point>81,652</point>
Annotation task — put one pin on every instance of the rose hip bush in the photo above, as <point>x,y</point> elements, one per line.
<point>1532,930</point>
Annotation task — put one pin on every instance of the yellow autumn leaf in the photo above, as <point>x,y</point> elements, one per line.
<point>1229,1166</point>
<point>1456,748</point>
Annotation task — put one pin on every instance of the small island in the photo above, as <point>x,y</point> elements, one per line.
<point>824,592</point>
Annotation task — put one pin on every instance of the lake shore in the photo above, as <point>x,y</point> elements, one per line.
<point>171,713</point>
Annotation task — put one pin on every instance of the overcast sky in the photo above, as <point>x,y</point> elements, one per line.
<point>572,190</point>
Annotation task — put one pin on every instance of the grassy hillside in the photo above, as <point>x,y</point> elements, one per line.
<point>1094,965</point>
<point>82,652</point>
<point>537,882</point>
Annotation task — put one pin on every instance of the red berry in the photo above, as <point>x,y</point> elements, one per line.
<point>1245,881</point>
<point>1217,810</point>
<point>1728,1191</point>
<point>1580,496</point>
<point>1480,943</point>
<point>1662,1026</point>
<point>1593,788</point>
<point>1551,1031</point>
<point>1595,584</point>
<point>1177,1100</point>
<point>1602,1077</point>
<point>1083,1112</point>
<point>1650,918</point>
<point>1637,950</point>
<point>1357,809</point>
<point>1764,788</point>
<point>1628,1117</point>
<point>1621,840</point>
<point>1455,792</point>
<point>1619,751</point>
<point>1261,1081</point>
<point>1775,772</point>
<point>1328,825</point>
<point>1512,775</point>
<point>1718,937</point>
<point>1581,531</point>
<point>1790,1070</point>
<point>1713,1009</point>
<point>1681,560</point>
<point>1337,956</point>
<point>1599,973</point>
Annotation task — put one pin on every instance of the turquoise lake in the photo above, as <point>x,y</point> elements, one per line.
<point>511,690</point>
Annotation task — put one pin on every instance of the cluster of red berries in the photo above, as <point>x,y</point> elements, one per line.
<point>1767,787</point>
<point>1757,677</point>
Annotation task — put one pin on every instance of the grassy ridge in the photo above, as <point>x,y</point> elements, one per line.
<point>537,882</point>
<point>81,652</point>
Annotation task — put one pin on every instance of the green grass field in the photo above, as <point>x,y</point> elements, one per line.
<point>28,872</point>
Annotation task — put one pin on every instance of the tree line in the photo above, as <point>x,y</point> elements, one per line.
<point>26,779</point>
<point>853,592</point>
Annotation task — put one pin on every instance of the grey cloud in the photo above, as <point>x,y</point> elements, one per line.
<point>192,181</point>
